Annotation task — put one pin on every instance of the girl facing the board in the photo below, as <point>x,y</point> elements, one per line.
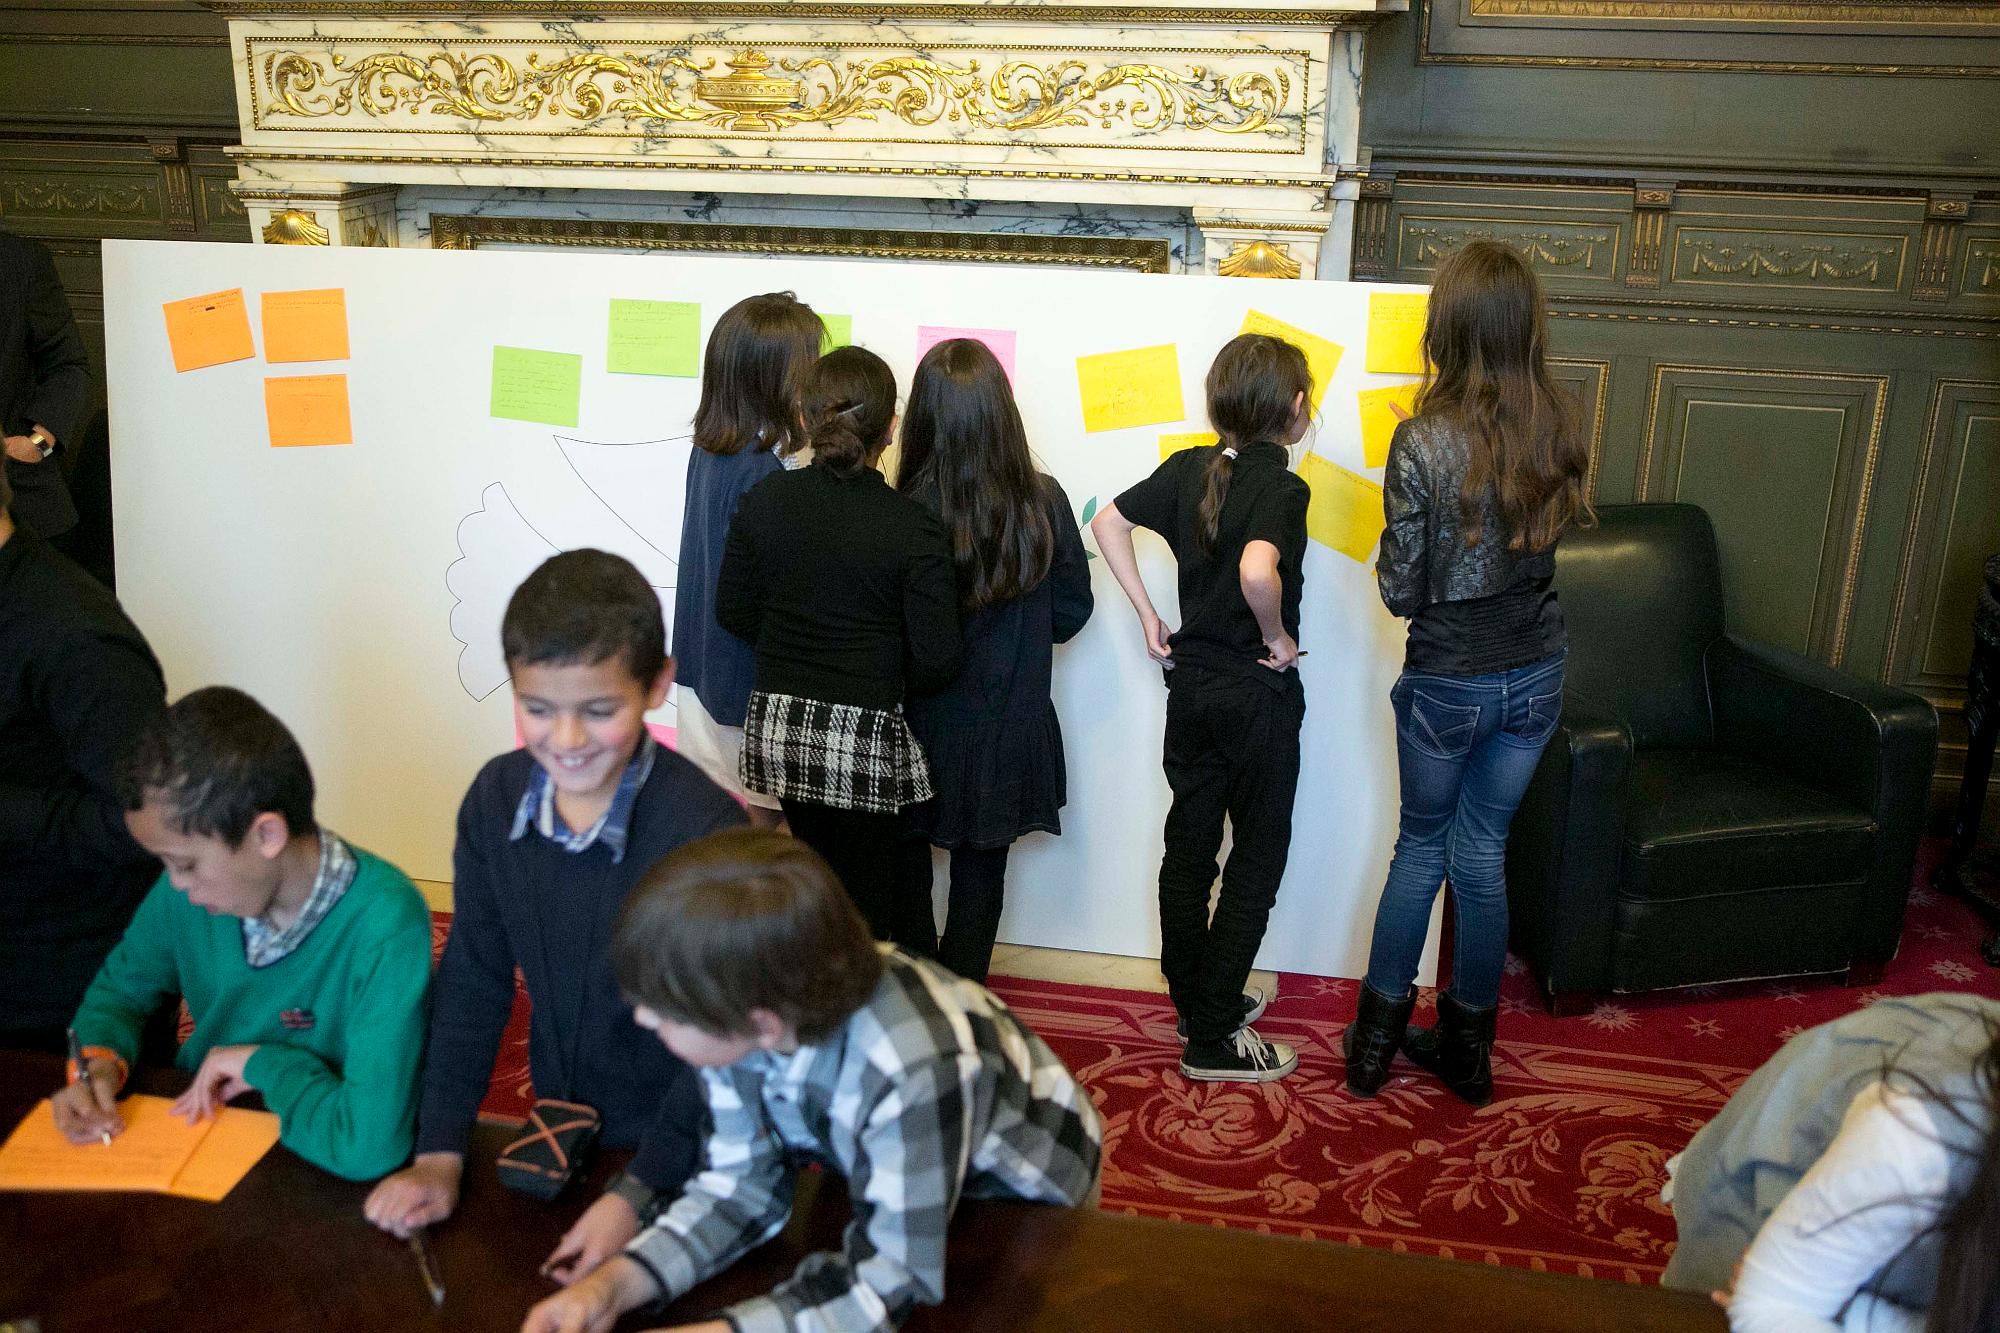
<point>1480,482</point>
<point>992,738</point>
<point>846,590</point>
<point>745,428</point>
<point>1235,517</point>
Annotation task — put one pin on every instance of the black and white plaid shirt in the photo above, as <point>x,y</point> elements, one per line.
<point>264,943</point>
<point>931,1092</point>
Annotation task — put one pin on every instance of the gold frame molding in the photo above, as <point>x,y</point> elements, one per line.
<point>450,231</point>
<point>793,10</point>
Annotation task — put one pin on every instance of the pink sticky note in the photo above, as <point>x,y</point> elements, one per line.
<point>998,341</point>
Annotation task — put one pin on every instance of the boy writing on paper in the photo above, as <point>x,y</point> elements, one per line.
<point>304,960</point>
<point>551,837</point>
<point>747,959</point>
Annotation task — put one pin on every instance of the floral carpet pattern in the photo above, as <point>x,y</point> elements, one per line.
<point>1562,1171</point>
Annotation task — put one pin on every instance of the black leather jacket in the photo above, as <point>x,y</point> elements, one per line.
<point>1424,558</point>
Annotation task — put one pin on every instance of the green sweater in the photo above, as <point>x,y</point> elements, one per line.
<point>338,1023</point>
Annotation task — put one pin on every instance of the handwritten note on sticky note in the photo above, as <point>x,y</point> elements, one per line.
<point>209,330</point>
<point>654,338</point>
<point>530,385</point>
<point>305,326</point>
<point>1000,342</point>
<point>835,331</point>
<point>156,1152</point>
<point>307,409</point>
<point>1322,356</point>
<point>1396,332</point>
<point>1141,387</point>
<point>1173,444</point>
<point>1381,409</point>
<point>1346,509</point>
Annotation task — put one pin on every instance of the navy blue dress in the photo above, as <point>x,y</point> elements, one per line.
<point>719,667</point>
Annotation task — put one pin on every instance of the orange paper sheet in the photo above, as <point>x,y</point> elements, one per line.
<point>209,330</point>
<point>305,326</point>
<point>155,1153</point>
<point>307,409</point>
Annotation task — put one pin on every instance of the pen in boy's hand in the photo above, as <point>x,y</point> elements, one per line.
<point>82,1067</point>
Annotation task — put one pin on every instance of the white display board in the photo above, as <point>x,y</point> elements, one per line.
<point>357,589</point>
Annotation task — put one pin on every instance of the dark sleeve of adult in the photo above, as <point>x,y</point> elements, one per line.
<point>473,993</point>
<point>932,648</point>
<point>739,587</point>
<point>1401,570</point>
<point>1069,569</point>
<point>61,366</point>
<point>1151,503</point>
<point>670,1152</point>
<point>97,690</point>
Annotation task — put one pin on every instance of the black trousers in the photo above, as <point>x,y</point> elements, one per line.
<point>1232,749</point>
<point>866,852</point>
<point>972,909</point>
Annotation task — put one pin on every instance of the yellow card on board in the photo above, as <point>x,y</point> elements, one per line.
<point>1140,387</point>
<point>1396,332</point>
<point>1322,356</point>
<point>1381,409</point>
<point>1173,444</point>
<point>1346,509</point>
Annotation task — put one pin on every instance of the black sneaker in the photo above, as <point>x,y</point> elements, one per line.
<point>1244,1058</point>
<point>1254,1004</point>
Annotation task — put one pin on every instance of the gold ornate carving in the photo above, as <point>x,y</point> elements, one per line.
<point>102,200</point>
<point>364,232</point>
<point>1148,255</point>
<point>801,10</point>
<point>1740,11</point>
<point>295,226</point>
<point>1803,260</point>
<point>1427,241</point>
<point>1982,268</point>
<point>1259,259</point>
<point>665,87</point>
<point>218,201</point>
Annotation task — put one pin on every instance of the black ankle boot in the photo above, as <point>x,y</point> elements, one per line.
<point>1459,1050</point>
<point>1372,1039</point>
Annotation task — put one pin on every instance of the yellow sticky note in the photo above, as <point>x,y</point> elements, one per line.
<point>1346,509</point>
<point>209,330</point>
<point>1141,387</point>
<point>1396,332</point>
<point>307,409</point>
<point>305,326</point>
<point>1322,356</point>
<point>1381,409</point>
<point>1173,444</point>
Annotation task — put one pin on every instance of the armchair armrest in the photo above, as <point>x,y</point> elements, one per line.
<point>1871,745</point>
<point>1563,849</point>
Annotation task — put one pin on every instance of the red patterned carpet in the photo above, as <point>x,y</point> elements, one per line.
<point>1562,1171</point>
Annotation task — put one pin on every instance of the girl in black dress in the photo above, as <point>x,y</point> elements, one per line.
<point>992,738</point>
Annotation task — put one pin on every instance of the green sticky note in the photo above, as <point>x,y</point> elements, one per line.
<point>654,338</point>
<point>836,331</point>
<point>536,386</point>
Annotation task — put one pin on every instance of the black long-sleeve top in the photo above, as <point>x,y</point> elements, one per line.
<point>845,588</point>
<point>77,683</point>
<point>44,378</point>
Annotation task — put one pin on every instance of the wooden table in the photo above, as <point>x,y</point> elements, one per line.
<point>289,1250</point>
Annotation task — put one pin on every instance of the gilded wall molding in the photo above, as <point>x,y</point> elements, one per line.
<point>1178,15</point>
<point>1144,255</point>
<point>1820,13</point>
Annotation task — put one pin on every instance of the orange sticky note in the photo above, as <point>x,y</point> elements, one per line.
<point>307,409</point>
<point>209,330</point>
<point>305,326</point>
<point>1381,409</point>
<point>1396,332</point>
<point>1346,509</point>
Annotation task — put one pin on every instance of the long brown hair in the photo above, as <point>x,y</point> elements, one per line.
<point>1253,397</point>
<point>754,373</point>
<point>963,439</point>
<point>1484,339</point>
<point>1967,1299</point>
<point>850,400</point>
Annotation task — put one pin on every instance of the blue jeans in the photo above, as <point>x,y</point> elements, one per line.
<point>1466,747</point>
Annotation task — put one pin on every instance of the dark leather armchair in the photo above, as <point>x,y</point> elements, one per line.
<point>1710,809</point>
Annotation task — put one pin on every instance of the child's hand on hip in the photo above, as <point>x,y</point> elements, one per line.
<point>1284,653</point>
<point>1157,634</point>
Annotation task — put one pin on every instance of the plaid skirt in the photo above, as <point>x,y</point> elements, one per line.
<point>841,755</point>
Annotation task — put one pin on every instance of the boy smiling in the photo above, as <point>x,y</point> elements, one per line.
<point>550,839</point>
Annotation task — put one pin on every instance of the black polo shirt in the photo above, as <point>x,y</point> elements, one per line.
<point>1266,502</point>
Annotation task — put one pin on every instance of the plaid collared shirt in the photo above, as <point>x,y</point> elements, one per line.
<point>931,1092</point>
<point>264,943</point>
<point>537,809</point>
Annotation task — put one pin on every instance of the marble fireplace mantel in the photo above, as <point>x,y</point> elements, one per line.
<point>1189,137</point>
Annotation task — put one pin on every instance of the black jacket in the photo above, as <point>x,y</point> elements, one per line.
<point>1424,558</point>
<point>44,379</point>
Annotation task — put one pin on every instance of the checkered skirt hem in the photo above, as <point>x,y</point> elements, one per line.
<point>841,755</point>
